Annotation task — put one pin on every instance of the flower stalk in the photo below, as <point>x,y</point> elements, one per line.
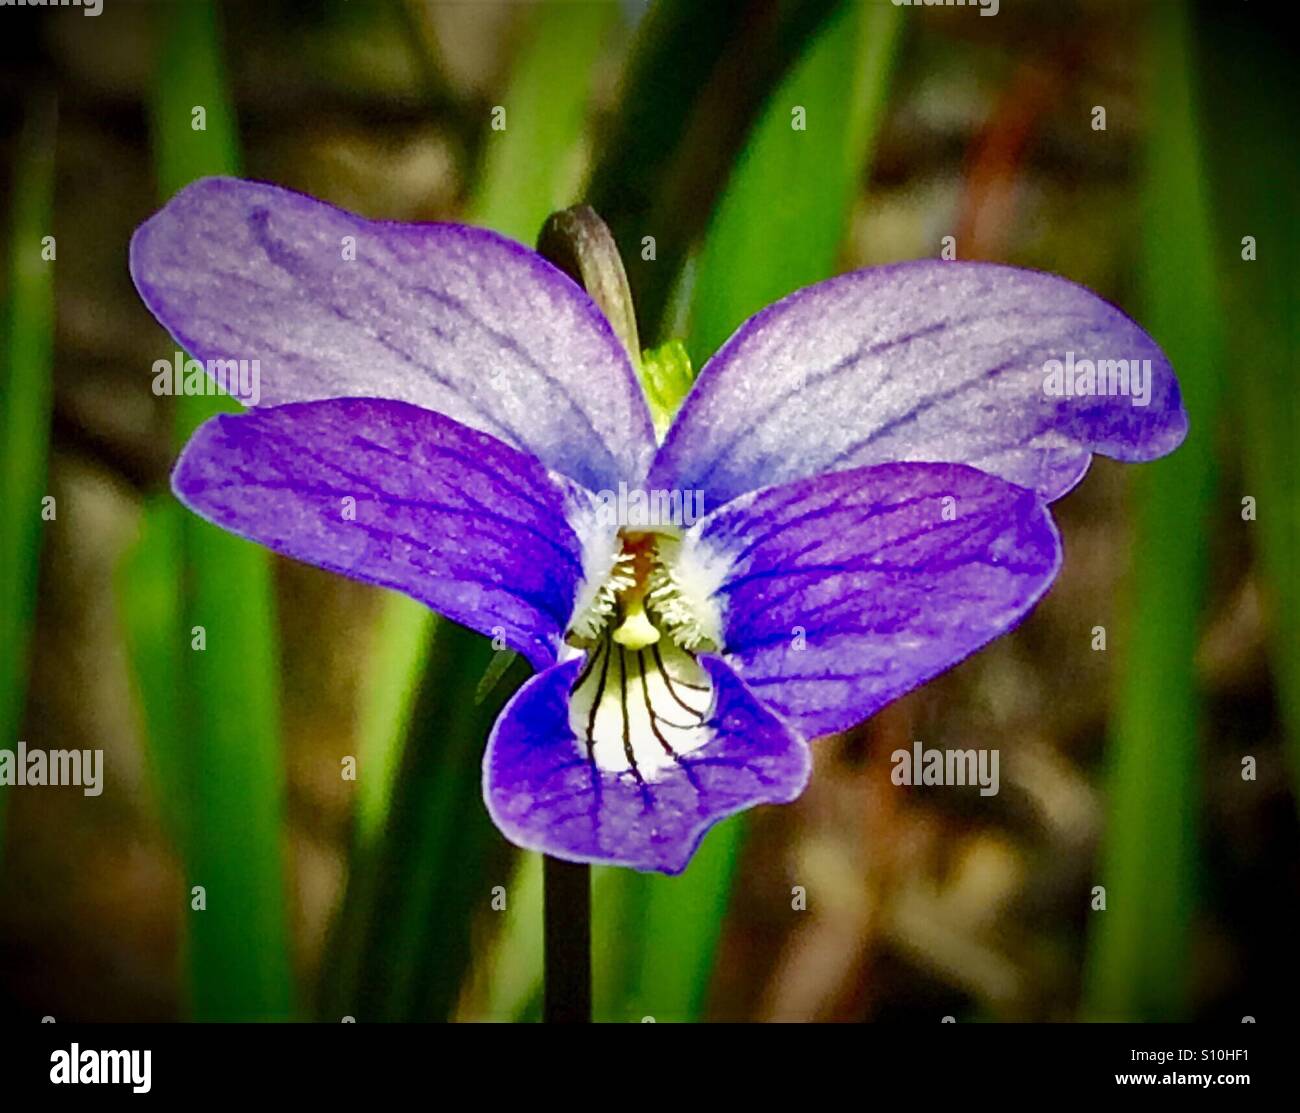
<point>578,242</point>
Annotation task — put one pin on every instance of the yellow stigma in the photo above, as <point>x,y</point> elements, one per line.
<point>636,631</point>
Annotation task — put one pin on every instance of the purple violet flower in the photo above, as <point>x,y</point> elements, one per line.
<point>443,412</point>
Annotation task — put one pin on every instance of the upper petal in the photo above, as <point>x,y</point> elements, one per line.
<point>548,787</point>
<point>451,318</point>
<point>395,495</point>
<point>842,592</point>
<point>927,360</point>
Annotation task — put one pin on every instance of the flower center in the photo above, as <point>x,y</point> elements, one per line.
<point>650,585</point>
<point>642,698</point>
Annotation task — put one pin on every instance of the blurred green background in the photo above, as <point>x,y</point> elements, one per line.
<point>373,897</point>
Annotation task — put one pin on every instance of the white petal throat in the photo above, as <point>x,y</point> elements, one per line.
<point>638,711</point>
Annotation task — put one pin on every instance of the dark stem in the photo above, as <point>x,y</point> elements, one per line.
<point>566,936</point>
<point>577,241</point>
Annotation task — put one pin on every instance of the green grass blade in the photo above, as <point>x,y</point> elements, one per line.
<point>693,88</point>
<point>779,225</point>
<point>1251,102</point>
<point>782,217</point>
<point>513,970</point>
<point>533,167</point>
<point>147,583</point>
<point>26,364</point>
<point>387,702</point>
<point>1138,950</point>
<point>439,856</point>
<point>214,733</point>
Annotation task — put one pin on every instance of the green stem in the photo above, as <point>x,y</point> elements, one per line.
<point>577,241</point>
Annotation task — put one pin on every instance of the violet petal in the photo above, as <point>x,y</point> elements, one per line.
<point>842,592</point>
<point>927,360</point>
<point>391,494</point>
<point>545,793</point>
<point>451,318</point>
